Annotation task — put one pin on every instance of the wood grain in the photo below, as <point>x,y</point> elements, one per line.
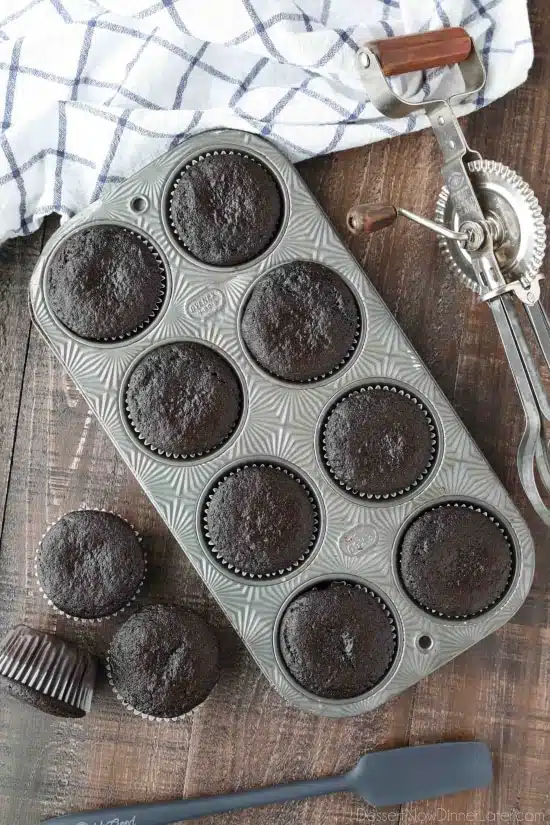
<point>53,457</point>
<point>16,261</point>
<point>415,52</point>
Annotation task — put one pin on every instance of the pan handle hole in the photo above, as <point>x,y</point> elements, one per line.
<point>424,642</point>
<point>139,204</point>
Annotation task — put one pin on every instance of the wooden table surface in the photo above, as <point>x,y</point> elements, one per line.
<point>54,457</point>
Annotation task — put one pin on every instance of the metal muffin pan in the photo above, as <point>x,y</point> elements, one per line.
<point>357,538</point>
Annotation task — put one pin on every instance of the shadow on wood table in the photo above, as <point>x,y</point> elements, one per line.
<point>54,457</point>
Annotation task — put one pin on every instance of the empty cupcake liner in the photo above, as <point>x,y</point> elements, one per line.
<point>386,387</point>
<point>185,456</point>
<point>465,506</point>
<point>160,298</point>
<point>100,619</point>
<point>199,159</point>
<point>277,573</point>
<point>49,666</point>
<point>147,716</point>
<point>387,612</point>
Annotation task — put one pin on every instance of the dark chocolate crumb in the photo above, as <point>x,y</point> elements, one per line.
<point>300,321</point>
<point>455,561</point>
<point>104,282</point>
<point>378,442</point>
<point>337,640</point>
<point>183,398</point>
<point>164,661</point>
<point>260,520</point>
<point>226,209</point>
<point>90,564</point>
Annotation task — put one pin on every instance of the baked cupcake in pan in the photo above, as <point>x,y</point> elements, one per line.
<point>301,321</point>
<point>225,208</point>
<point>105,283</point>
<point>338,640</point>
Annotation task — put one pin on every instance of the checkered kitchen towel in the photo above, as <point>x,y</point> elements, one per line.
<point>91,90</point>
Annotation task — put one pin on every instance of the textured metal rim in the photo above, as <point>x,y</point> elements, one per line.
<point>514,181</point>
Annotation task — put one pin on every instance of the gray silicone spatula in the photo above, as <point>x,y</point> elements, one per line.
<point>389,777</point>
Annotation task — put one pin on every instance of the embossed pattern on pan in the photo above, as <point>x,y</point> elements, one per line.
<point>281,423</point>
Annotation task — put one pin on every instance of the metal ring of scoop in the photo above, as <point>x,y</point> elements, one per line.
<point>510,205</point>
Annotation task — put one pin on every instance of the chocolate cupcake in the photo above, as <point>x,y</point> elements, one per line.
<point>379,441</point>
<point>90,564</point>
<point>163,661</point>
<point>105,282</point>
<point>260,520</point>
<point>455,560</point>
<point>183,399</point>
<point>225,208</point>
<point>338,640</point>
<point>301,321</point>
<point>47,672</point>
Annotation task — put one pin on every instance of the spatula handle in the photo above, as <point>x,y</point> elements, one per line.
<point>165,813</point>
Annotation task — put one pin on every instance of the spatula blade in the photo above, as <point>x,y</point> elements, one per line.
<point>394,777</point>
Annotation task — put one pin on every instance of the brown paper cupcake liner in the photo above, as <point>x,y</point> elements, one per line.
<point>49,666</point>
<point>193,162</point>
<point>386,387</point>
<point>465,506</point>
<point>276,573</point>
<point>185,456</point>
<point>131,709</point>
<point>387,612</point>
<point>100,619</point>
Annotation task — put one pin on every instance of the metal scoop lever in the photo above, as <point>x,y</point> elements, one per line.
<point>390,777</point>
<point>371,217</point>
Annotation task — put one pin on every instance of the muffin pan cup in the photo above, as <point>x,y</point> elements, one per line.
<point>304,381</point>
<point>489,605</point>
<point>281,424</point>
<point>160,298</point>
<point>185,456</point>
<point>393,493</point>
<point>79,619</point>
<point>274,573</point>
<point>175,182</point>
<point>343,583</point>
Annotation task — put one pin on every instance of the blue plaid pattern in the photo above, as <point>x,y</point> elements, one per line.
<point>92,90</point>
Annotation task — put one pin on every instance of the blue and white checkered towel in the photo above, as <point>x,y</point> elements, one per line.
<point>91,90</point>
